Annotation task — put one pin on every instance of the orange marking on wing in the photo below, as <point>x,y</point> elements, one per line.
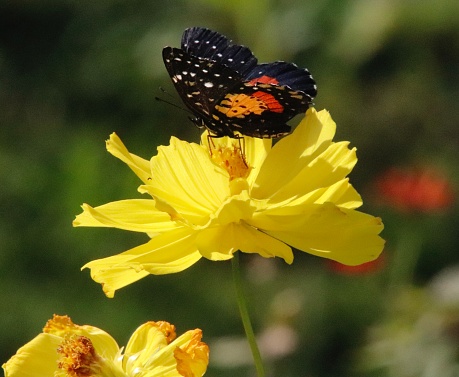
<point>272,103</point>
<point>263,80</point>
<point>242,105</point>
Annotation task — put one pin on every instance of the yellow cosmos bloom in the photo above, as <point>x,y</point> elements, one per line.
<point>210,205</point>
<point>68,350</point>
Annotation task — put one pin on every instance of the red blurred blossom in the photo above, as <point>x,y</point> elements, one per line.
<point>415,189</point>
<point>361,269</point>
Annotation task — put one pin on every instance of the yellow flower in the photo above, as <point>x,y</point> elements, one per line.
<point>68,350</point>
<point>212,204</point>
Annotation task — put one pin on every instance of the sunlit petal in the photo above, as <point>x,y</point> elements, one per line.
<point>219,243</point>
<point>342,194</point>
<point>144,343</point>
<point>292,153</point>
<point>347,236</point>
<point>186,178</point>
<point>332,165</point>
<point>137,215</point>
<point>138,165</point>
<point>167,253</point>
<point>38,358</point>
<point>191,354</point>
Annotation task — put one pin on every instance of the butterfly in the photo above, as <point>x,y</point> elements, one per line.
<point>229,93</point>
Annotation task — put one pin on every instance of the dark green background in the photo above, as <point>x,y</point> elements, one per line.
<point>72,72</point>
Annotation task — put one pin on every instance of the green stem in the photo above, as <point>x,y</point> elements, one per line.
<point>242,303</point>
<point>408,250</point>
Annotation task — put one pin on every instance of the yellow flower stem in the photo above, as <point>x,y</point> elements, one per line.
<point>242,303</point>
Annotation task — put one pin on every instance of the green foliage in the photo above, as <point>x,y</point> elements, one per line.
<point>72,72</point>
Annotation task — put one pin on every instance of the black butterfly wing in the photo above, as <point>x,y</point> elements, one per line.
<point>201,84</point>
<point>284,74</point>
<point>227,91</point>
<point>208,44</point>
<point>260,110</point>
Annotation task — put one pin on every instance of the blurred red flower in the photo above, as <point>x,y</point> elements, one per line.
<point>361,269</point>
<point>415,189</point>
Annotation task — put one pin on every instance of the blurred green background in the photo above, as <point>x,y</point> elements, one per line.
<point>72,72</point>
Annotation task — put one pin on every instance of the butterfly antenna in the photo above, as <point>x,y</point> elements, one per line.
<point>166,92</point>
<point>171,103</point>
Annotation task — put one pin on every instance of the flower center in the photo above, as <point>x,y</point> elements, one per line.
<point>78,357</point>
<point>232,160</point>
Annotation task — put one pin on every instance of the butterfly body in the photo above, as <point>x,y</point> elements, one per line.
<point>229,92</point>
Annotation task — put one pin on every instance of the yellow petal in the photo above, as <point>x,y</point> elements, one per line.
<point>331,166</point>
<point>212,246</point>
<point>255,151</point>
<point>148,335</point>
<point>38,358</point>
<point>234,209</point>
<point>140,351</point>
<point>138,165</point>
<point>138,215</point>
<point>166,253</point>
<point>186,178</point>
<point>193,356</point>
<point>292,153</point>
<point>347,236</point>
<point>162,361</point>
<point>187,215</point>
<point>219,243</point>
<point>103,342</point>
<point>341,193</point>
